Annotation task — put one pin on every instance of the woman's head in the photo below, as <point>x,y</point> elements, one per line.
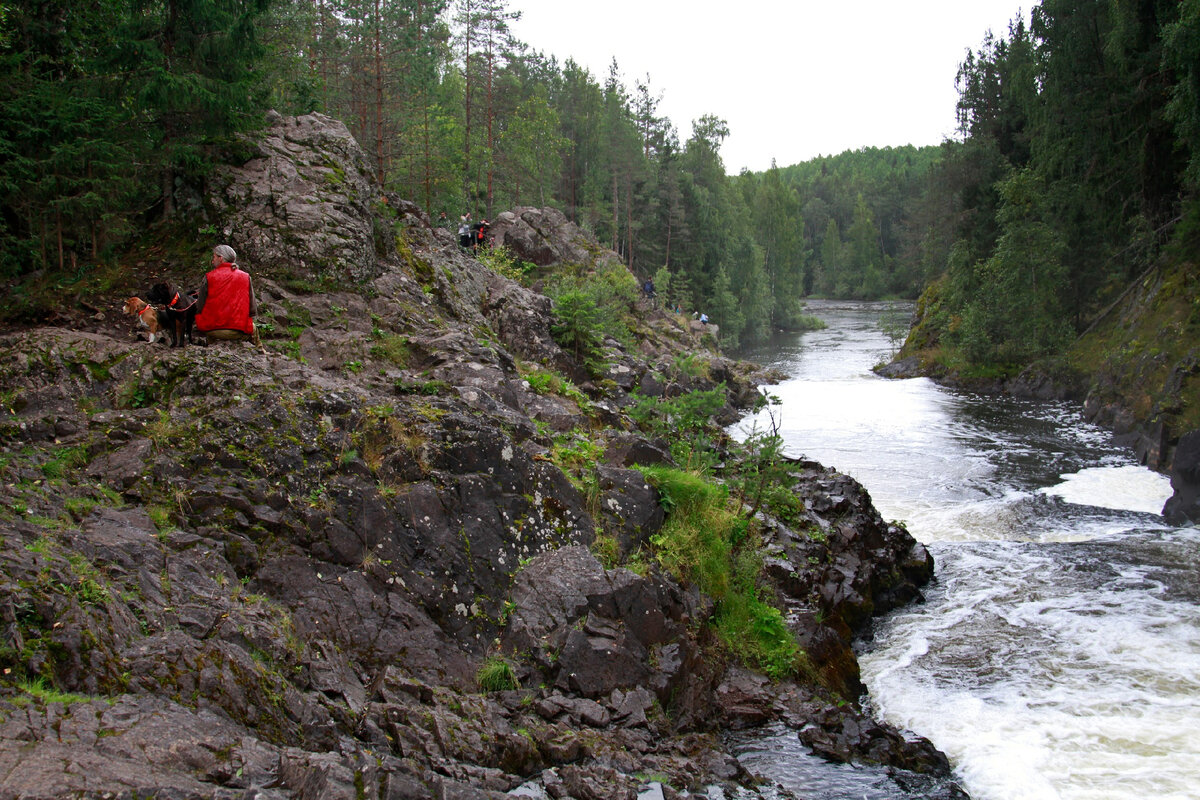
<point>225,253</point>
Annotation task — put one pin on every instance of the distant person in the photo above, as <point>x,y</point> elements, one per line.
<point>648,288</point>
<point>479,239</point>
<point>704,319</point>
<point>225,304</point>
<point>464,231</point>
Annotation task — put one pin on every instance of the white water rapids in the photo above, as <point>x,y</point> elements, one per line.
<point>1058,654</point>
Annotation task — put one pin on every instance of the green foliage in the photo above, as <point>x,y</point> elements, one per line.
<point>548,382</point>
<point>64,461</point>
<point>1078,159</point>
<point>589,305</point>
<point>392,348</point>
<point>685,421</point>
<point>1014,312</point>
<point>573,452</point>
<point>706,542</point>
<point>102,109</point>
<point>39,690</point>
<point>607,551</point>
<point>576,328</point>
<point>502,260</point>
<point>759,474</point>
<point>427,388</point>
<point>496,675</point>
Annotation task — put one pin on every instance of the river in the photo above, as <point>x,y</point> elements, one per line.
<point>1057,655</point>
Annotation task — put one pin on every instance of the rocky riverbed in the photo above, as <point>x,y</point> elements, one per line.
<point>229,573</point>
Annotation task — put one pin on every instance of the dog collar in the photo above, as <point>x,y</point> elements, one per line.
<point>174,300</point>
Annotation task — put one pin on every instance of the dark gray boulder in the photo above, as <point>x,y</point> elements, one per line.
<point>1184,505</point>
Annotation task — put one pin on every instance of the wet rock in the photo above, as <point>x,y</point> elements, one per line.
<point>1184,504</point>
<point>848,736</point>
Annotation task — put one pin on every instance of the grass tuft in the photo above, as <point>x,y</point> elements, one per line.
<point>496,675</point>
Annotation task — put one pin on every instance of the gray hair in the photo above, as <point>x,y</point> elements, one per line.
<point>226,252</point>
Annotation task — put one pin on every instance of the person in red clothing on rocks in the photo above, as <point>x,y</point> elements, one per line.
<point>225,307</point>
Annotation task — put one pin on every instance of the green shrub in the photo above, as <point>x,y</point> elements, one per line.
<point>38,690</point>
<point>393,348</point>
<point>591,305</point>
<point>502,260</point>
<point>607,551</point>
<point>64,461</point>
<point>706,542</point>
<point>496,675</point>
<point>577,328</point>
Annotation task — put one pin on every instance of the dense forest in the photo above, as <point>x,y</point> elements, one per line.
<point>1074,166</point>
<point>1077,173</point>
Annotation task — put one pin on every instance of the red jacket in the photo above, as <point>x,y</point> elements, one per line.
<point>227,300</point>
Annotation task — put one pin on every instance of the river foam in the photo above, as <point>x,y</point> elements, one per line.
<point>1128,487</point>
<point>1057,654</point>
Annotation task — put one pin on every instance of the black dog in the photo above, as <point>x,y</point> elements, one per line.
<point>181,311</point>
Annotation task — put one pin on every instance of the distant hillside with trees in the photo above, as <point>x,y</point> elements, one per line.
<point>1075,163</point>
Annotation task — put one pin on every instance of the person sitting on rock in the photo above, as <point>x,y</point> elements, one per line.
<point>225,305</point>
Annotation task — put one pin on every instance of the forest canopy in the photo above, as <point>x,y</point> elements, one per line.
<point>1074,164</point>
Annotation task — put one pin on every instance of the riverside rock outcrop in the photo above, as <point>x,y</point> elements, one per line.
<point>1183,507</point>
<point>227,574</point>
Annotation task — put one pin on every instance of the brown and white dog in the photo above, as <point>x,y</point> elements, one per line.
<point>148,316</point>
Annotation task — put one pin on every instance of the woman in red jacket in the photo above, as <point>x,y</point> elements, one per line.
<point>226,301</point>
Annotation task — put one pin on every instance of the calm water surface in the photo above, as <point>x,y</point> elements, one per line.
<point>1058,653</point>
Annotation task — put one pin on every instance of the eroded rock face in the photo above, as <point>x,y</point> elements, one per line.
<point>303,204</point>
<point>545,236</point>
<point>593,631</point>
<point>838,567</point>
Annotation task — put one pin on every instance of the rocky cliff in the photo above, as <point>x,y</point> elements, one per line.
<point>360,564</point>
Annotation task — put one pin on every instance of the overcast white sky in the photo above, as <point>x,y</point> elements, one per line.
<point>794,80</point>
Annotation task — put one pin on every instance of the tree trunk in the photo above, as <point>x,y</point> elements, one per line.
<point>380,162</point>
<point>616,222</point>
<point>629,221</point>
<point>490,113</point>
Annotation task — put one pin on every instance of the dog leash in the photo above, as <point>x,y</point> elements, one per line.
<point>175,300</point>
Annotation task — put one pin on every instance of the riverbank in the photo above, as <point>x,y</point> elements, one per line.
<point>1134,371</point>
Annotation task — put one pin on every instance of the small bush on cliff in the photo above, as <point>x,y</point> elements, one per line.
<point>594,304</point>
<point>706,542</point>
<point>685,421</point>
<point>576,328</point>
<point>496,675</point>
<point>502,260</point>
<point>759,476</point>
